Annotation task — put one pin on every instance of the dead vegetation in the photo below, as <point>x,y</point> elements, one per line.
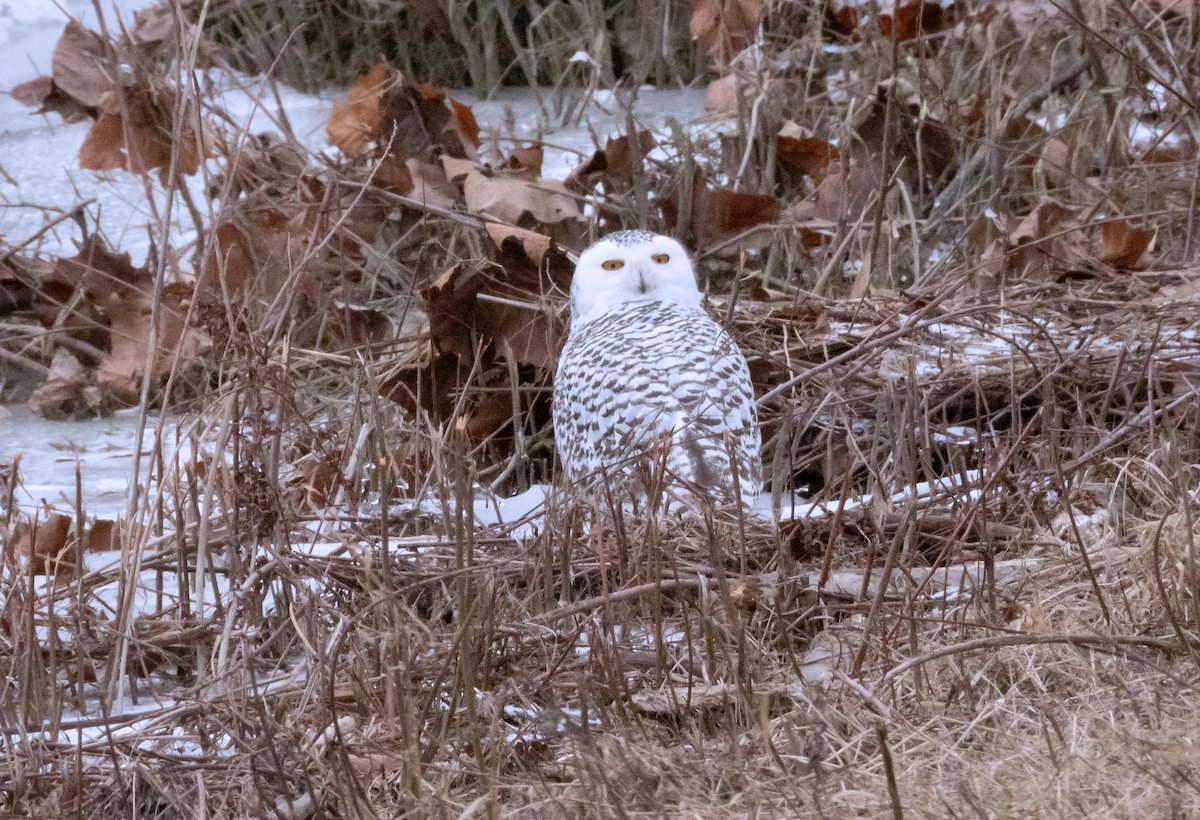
<point>957,244</point>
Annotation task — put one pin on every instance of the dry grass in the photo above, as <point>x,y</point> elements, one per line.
<point>990,611</point>
<point>312,45</point>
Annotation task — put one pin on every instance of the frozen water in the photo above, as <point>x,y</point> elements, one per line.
<point>103,448</point>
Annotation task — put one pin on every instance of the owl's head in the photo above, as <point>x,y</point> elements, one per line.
<point>632,266</point>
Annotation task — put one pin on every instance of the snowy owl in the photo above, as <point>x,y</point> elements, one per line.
<point>649,385</point>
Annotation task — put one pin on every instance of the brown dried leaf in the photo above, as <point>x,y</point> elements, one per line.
<point>121,371</point>
<point>727,212</point>
<point>254,254</point>
<point>530,244</point>
<point>350,326</point>
<point>517,201</point>
<point>841,195</point>
<point>721,95</point>
<point>726,26</point>
<point>1124,246</point>
<point>527,160</point>
<point>1044,222</point>
<point>515,320</point>
<point>430,185</point>
<point>348,219</point>
<point>33,92</point>
<point>450,306</point>
<point>626,158</point>
<point>844,21</point>
<point>487,417</point>
<point>137,137</point>
<point>156,24</point>
<point>805,154</point>
<point>392,174</point>
<point>102,273</point>
<point>456,169</point>
<point>16,290</point>
<point>1045,242</point>
<point>426,386</point>
<point>1055,162</point>
<point>49,547</point>
<point>923,148</point>
<point>615,165</point>
<point>49,98</point>
<point>464,117</point>
<point>716,214</point>
<point>104,147</point>
<point>68,392</point>
<point>83,65</point>
<point>354,125</point>
<point>103,536</point>
<point>386,113</point>
<point>914,20</point>
<point>228,263</point>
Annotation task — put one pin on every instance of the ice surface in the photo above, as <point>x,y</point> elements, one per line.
<point>103,448</point>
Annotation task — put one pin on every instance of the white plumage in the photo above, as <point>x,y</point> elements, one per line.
<point>648,384</point>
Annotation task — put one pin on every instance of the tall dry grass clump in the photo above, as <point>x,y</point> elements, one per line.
<point>312,45</point>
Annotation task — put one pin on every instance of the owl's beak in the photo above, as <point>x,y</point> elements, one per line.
<point>642,286</point>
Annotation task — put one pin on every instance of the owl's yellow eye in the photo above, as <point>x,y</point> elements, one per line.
<point>612,264</point>
<point>661,258</point>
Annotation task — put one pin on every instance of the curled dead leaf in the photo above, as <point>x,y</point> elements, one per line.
<point>120,372</point>
<point>518,201</point>
<point>68,392</point>
<point>531,244</point>
<point>102,273</point>
<point>354,126</point>
<point>527,160</point>
<point>1124,246</point>
<point>841,195</point>
<point>386,113</point>
<point>804,154</point>
<point>425,386</point>
<point>1045,242</point>
<point>391,174</point>
<point>726,26</point>
<point>430,185</point>
<point>83,65</point>
<point>510,318</point>
<point>714,214</point>
<point>616,165</point>
<point>50,98</point>
<point>135,133</point>
<point>47,545</point>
